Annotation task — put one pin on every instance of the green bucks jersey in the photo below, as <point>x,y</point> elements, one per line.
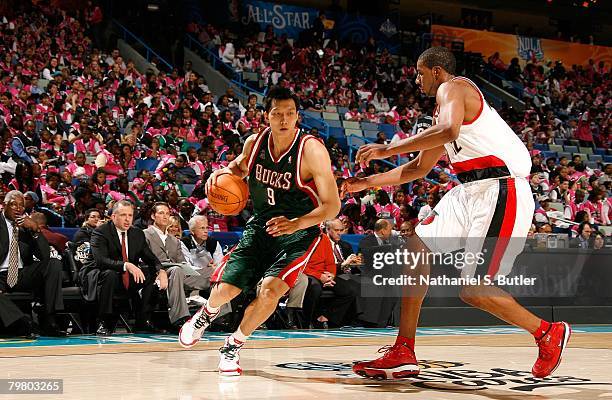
<point>275,185</point>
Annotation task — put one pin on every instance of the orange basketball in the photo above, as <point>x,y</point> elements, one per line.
<point>229,195</point>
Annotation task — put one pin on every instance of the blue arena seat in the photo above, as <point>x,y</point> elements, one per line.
<point>334,123</point>
<point>570,149</point>
<point>540,146</point>
<point>148,163</point>
<point>595,157</point>
<point>388,129</point>
<point>336,132</point>
<point>314,114</point>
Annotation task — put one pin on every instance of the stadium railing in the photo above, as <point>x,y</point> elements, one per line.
<point>227,70</point>
<point>129,37</point>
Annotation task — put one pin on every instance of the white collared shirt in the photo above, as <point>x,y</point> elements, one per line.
<point>5,264</point>
<point>162,235</point>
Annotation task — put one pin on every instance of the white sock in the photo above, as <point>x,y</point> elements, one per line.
<point>238,337</point>
<point>211,311</point>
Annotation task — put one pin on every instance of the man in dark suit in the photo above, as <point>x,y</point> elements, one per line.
<point>382,235</point>
<point>583,240</point>
<point>377,310</point>
<point>117,248</point>
<point>20,242</point>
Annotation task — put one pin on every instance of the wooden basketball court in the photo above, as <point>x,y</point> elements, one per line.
<point>457,363</point>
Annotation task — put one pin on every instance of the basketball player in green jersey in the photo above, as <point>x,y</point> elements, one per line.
<point>293,190</point>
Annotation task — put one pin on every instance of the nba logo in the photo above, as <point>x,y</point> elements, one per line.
<point>529,47</point>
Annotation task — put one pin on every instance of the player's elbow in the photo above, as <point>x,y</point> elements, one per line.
<point>332,209</point>
<point>452,132</point>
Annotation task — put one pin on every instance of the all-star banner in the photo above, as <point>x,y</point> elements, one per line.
<point>525,48</point>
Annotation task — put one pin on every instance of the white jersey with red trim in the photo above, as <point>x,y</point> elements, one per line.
<point>486,147</point>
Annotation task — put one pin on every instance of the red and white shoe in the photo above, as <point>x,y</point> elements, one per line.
<point>397,362</point>
<point>229,358</point>
<point>192,330</point>
<point>551,347</point>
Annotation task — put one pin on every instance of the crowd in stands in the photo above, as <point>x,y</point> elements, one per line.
<point>83,130</point>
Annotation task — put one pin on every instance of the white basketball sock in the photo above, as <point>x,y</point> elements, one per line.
<point>238,337</point>
<point>211,311</point>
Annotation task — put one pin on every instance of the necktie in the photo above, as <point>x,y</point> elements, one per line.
<point>13,264</point>
<point>338,253</point>
<point>126,275</point>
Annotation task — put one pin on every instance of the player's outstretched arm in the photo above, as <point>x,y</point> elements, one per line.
<point>238,166</point>
<point>415,169</point>
<point>451,100</point>
<point>315,163</point>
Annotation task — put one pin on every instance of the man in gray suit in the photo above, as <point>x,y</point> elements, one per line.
<point>167,249</point>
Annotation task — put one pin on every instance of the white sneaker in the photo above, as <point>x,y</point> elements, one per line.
<point>199,300</point>
<point>229,359</point>
<point>192,330</point>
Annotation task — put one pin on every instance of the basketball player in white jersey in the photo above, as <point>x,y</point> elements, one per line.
<point>494,200</point>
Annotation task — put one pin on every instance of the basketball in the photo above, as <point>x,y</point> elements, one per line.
<point>229,195</point>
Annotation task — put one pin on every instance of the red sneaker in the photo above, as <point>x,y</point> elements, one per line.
<point>398,361</point>
<point>551,347</point>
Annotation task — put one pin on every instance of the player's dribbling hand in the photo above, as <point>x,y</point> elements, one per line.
<point>279,226</point>
<point>212,179</point>
<point>351,185</point>
<point>369,152</point>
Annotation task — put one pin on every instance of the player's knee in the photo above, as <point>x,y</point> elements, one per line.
<point>270,295</point>
<point>227,291</point>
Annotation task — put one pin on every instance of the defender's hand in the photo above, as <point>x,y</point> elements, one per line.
<point>351,185</point>
<point>369,152</point>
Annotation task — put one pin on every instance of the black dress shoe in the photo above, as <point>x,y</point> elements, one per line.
<point>103,330</point>
<point>293,318</point>
<point>27,329</point>
<point>147,327</point>
<point>53,330</point>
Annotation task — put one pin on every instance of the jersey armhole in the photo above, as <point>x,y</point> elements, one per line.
<point>480,95</point>
<point>254,151</point>
<point>308,187</point>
